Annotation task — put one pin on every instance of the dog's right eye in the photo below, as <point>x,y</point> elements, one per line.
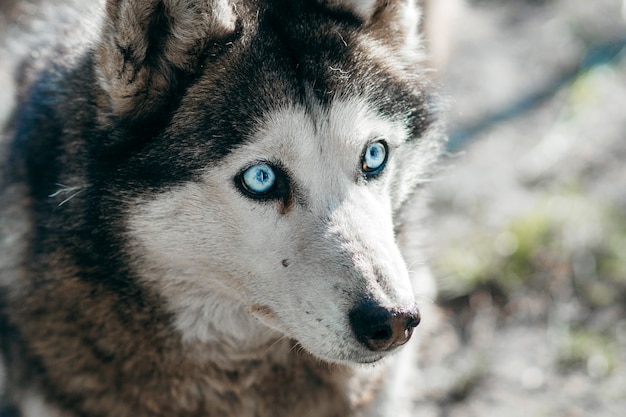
<point>258,179</point>
<point>264,181</point>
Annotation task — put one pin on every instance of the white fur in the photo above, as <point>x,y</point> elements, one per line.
<point>216,255</point>
<point>410,21</point>
<point>35,405</point>
<point>362,8</point>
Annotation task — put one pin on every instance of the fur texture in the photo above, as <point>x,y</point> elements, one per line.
<point>143,276</point>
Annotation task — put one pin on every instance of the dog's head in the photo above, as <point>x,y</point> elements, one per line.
<point>268,146</point>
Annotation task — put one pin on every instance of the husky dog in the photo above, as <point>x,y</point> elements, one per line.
<point>201,211</point>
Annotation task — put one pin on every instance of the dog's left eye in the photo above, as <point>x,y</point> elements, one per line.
<point>374,158</point>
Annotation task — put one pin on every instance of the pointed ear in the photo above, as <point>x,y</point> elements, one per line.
<point>399,19</point>
<point>363,9</point>
<point>147,45</point>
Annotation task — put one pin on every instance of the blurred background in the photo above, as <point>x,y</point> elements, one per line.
<point>528,239</point>
<point>529,210</point>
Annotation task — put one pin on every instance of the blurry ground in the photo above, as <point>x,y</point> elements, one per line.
<point>529,215</point>
<point>529,224</point>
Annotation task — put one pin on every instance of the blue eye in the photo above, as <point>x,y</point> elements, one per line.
<point>374,158</point>
<point>258,179</point>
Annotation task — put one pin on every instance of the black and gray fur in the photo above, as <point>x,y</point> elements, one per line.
<point>161,90</point>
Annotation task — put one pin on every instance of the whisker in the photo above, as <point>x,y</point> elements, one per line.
<point>66,189</point>
<point>280,339</point>
<point>70,197</point>
<point>424,298</point>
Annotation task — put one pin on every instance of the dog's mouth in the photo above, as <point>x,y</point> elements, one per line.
<point>369,360</point>
<point>357,355</point>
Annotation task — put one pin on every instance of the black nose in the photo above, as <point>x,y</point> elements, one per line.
<point>380,329</point>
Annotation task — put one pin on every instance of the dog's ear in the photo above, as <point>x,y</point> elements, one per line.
<point>363,9</point>
<point>371,10</point>
<point>396,20</point>
<point>146,46</point>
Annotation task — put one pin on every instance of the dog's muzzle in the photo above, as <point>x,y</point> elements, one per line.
<point>382,329</point>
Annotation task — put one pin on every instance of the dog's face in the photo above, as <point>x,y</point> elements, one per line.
<point>288,157</point>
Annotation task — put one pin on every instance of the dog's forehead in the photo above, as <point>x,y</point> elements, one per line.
<point>300,51</point>
<point>317,51</point>
<point>304,56</point>
<point>294,47</point>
